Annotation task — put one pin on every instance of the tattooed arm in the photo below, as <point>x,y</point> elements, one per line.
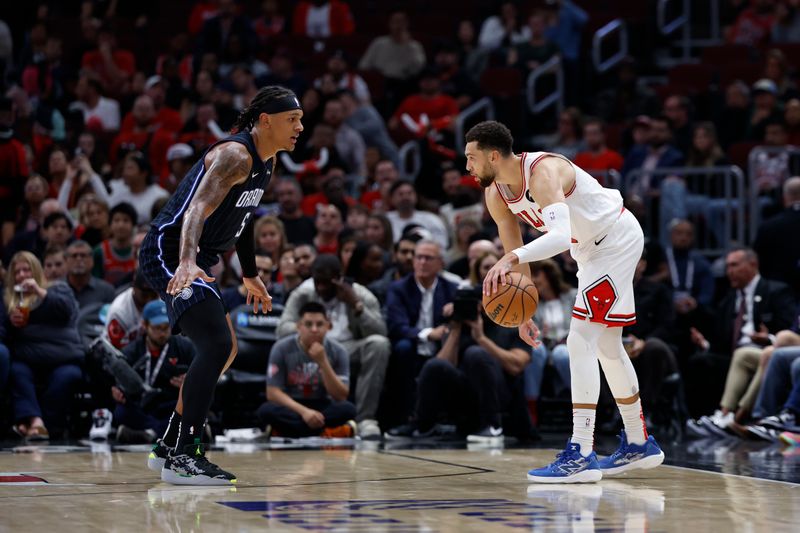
<point>228,164</point>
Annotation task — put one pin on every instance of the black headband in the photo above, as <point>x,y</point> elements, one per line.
<point>286,103</point>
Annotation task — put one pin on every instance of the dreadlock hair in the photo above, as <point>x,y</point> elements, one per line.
<point>249,114</point>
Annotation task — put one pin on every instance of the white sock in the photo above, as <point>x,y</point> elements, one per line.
<point>633,418</point>
<point>583,429</point>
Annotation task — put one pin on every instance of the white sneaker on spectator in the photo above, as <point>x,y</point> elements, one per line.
<point>764,433</point>
<point>368,429</point>
<point>718,424</point>
<point>101,424</point>
<point>696,430</point>
<point>785,421</point>
<point>489,435</point>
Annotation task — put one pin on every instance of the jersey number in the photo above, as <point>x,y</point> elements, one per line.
<point>244,223</point>
<point>531,218</point>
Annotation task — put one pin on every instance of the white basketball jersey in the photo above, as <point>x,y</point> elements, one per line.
<point>592,208</point>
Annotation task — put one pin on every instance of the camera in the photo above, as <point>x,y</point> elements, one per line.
<point>465,304</point>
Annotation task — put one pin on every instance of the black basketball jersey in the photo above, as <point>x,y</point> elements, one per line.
<point>226,223</point>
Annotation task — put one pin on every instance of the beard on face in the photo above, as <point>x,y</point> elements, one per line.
<point>486,180</point>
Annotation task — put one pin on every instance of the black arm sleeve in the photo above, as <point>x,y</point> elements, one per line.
<point>246,250</point>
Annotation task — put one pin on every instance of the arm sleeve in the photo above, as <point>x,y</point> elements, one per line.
<point>556,240</point>
<point>246,250</point>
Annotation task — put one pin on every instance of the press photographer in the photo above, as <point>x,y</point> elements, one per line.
<point>478,370</point>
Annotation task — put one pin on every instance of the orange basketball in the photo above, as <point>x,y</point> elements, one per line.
<point>513,303</point>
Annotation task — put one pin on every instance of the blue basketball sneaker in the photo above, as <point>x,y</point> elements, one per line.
<point>632,456</point>
<point>569,467</point>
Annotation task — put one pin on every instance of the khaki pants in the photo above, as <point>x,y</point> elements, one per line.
<point>744,379</point>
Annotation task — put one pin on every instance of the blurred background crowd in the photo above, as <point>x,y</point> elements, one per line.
<point>106,104</point>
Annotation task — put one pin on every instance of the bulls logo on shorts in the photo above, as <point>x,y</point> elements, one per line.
<point>600,298</point>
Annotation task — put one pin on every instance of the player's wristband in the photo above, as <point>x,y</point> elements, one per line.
<point>246,250</point>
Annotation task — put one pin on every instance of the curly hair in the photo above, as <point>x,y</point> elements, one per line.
<point>491,135</point>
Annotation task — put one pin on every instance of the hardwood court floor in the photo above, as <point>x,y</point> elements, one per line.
<point>362,490</point>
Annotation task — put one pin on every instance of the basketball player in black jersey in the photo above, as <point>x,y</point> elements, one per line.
<point>210,212</point>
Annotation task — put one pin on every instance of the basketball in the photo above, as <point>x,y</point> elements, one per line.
<point>513,303</point>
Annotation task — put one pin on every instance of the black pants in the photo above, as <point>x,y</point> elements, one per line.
<point>473,395</point>
<point>705,382</point>
<point>400,387</point>
<point>653,366</point>
<point>291,424</point>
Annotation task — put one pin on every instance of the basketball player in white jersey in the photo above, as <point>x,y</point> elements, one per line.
<point>575,213</point>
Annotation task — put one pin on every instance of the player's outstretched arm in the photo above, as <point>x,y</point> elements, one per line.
<point>228,164</point>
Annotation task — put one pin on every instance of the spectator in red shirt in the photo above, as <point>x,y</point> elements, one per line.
<point>112,65</point>
<point>165,117</point>
<point>332,193</point>
<point>320,19</point>
<point>270,23</point>
<point>329,224</point>
<point>754,25</point>
<point>146,136</point>
<point>440,108</point>
<point>377,199</point>
<point>13,170</point>
<point>201,12</point>
<point>597,158</point>
<point>198,133</point>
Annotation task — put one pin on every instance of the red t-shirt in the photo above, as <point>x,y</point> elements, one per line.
<point>166,118</point>
<point>371,199</point>
<point>310,203</point>
<point>605,160</point>
<point>440,106</point>
<point>332,248</point>
<point>123,59</point>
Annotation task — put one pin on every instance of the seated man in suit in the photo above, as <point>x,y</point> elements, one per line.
<point>753,311</point>
<point>415,308</point>
<point>356,323</point>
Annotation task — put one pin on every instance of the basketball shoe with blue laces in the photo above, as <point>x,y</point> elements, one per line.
<point>632,456</point>
<point>569,467</point>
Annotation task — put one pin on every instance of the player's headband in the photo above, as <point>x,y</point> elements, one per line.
<point>280,105</point>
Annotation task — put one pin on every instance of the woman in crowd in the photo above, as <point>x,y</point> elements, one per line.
<point>348,240</point>
<point>379,231</point>
<point>94,226</point>
<point>270,237</point>
<point>366,263</point>
<point>136,187</point>
<point>36,190</point>
<point>46,348</point>
<point>290,277</point>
